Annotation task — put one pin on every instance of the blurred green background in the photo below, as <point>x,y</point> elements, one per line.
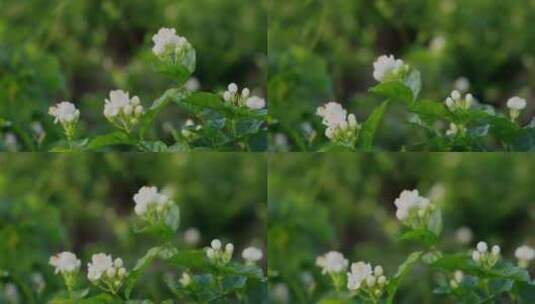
<point>324,50</point>
<point>345,202</point>
<point>80,50</point>
<point>83,203</point>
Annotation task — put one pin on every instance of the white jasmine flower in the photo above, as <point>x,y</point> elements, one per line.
<point>193,84</point>
<point>280,293</point>
<point>341,128</point>
<point>516,103</point>
<point>456,101</point>
<point>458,277</point>
<point>11,142</point>
<point>122,111</point>
<point>65,262</point>
<point>453,130</point>
<point>167,41</point>
<point>99,265</point>
<point>411,206</point>
<point>360,271</point>
<point>485,258</point>
<point>255,103</point>
<point>192,236</point>
<point>11,293</point>
<point>64,113</point>
<point>387,66</point>
<point>525,255</point>
<point>216,254</point>
<point>364,276</point>
<point>252,255</point>
<point>233,88</point>
<point>438,44</point>
<point>332,262</point>
<point>149,197</point>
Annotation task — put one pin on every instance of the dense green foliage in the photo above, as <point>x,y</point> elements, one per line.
<point>80,50</point>
<point>83,203</point>
<point>323,51</point>
<point>345,202</point>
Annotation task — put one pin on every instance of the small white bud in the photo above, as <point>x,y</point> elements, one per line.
<point>227,96</point>
<point>370,280</point>
<point>245,93</point>
<point>496,250</point>
<point>378,271</point>
<point>118,262</point>
<point>229,248</point>
<point>216,244</point>
<point>128,110</point>
<point>381,280</point>
<point>482,247</point>
<point>456,95</point>
<point>233,88</point>
<point>110,272</point>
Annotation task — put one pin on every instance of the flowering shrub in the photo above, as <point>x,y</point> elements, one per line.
<point>476,276</point>
<point>471,125</point>
<point>228,121</point>
<point>207,275</point>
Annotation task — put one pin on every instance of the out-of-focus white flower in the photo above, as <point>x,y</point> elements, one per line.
<point>255,103</point>
<point>64,112</point>
<point>516,105</point>
<point>166,41</point>
<point>11,142</point>
<point>103,268</point>
<point>11,293</point>
<point>462,84</point>
<point>147,198</point>
<point>65,262</point>
<point>38,282</point>
<point>341,127</point>
<point>193,84</point>
<point>308,131</point>
<point>453,130</point>
<point>252,255</point>
<point>485,258</point>
<point>438,44</point>
<point>332,262</point>
<point>386,67</point>
<point>189,130</point>
<point>464,235</point>
<point>217,254</point>
<point>360,271</point>
<point>458,277</point>
<point>192,236</point>
<point>185,279</point>
<point>280,293</point>
<point>413,209</point>
<point>456,101</point>
<point>525,254</point>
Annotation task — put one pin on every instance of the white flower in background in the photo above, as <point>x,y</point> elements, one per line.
<point>11,293</point>
<point>65,262</point>
<point>457,279</point>
<point>38,282</point>
<point>308,131</point>
<point>341,127</point>
<point>516,105</point>
<point>413,209</point>
<point>193,84</point>
<point>192,236</point>
<point>255,103</point>
<point>166,41</point>
<point>485,258</point>
<point>364,276</point>
<point>453,130</point>
<point>11,142</point>
<point>462,84</point>
<point>252,255</point>
<point>103,269</point>
<point>280,293</point>
<point>218,254</point>
<point>38,131</point>
<point>456,101</point>
<point>148,200</point>
<point>123,111</point>
<point>64,113</point>
<point>233,97</point>
<point>386,67</point>
<point>189,130</point>
<point>438,44</point>
<point>332,262</point>
<point>464,235</point>
<point>525,255</point>
<point>185,279</point>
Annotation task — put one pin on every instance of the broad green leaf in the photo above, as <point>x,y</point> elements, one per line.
<point>110,139</point>
<point>429,111</point>
<point>180,70</point>
<point>100,299</point>
<point>394,91</point>
<point>403,269</point>
<point>370,126</point>
<point>153,146</point>
<point>158,105</point>
<point>423,236</point>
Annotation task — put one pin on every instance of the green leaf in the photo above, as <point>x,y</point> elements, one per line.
<point>429,111</point>
<point>139,268</point>
<point>172,219</point>
<point>180,71</point>
<point>403,269</point>
<point>100,299</point>
<point>423,236</point>
<point>158,105</point>
<point>395,91</point>
<point>370,126</point>
<point>414,82</point>
<point>110,139</point>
